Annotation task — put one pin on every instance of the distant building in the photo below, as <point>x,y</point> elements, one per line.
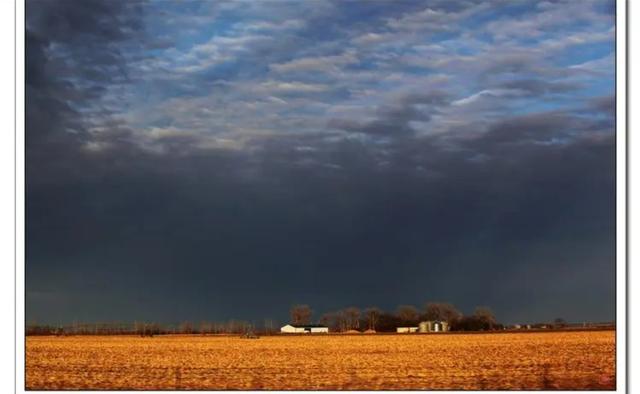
<point>434,326</point>
<point>406,329</point>
<point>539,326</point>
<point>304,329</point>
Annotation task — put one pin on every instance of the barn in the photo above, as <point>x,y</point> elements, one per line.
<point>304,329</point>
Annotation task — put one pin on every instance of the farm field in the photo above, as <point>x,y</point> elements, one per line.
<point>548,360</point>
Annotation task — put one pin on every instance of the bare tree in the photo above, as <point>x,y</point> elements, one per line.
<point>373,315</point>
<point>485,316</point>
<point>301,314</point>
<point>137,328</point>
<point>186,327</point>
<point>442,311</point>
<point>341,321</point>
<point>328,319</point>
<point>232,326</point>
<point>205,328</point>
<point>268,326</point>
<point>153,329</point>
<point>408,314</point>
<point>559,322</point>
<point>247,327</point>
<point>352,317</point>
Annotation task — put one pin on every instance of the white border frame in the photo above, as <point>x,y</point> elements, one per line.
<point>20,195</point>
<point>7,209</point>
<point>621,201</point>
<point>621,196</point>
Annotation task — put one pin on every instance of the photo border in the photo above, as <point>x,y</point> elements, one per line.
<point>622,180</point>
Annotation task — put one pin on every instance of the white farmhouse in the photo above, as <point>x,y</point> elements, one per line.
<point>304,329</point>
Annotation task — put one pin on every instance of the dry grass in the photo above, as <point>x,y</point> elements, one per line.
<point>554,360</point>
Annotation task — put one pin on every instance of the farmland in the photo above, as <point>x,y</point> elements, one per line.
<point>547,360</point>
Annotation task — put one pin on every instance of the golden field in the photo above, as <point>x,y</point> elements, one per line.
<point>547,360</point>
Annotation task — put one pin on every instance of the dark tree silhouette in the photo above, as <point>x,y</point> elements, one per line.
<point>408,314</point>
<point>269,326</point>
<point>388,322</point>
<point>186,327</point>
<point>352,317</point>
<point>329,319</point>
<point>485,316</point>
<point>372,314</point>
<point>341,321</point>
<point>442,311</point>
<point>301,314</point>
<point>559,322</point>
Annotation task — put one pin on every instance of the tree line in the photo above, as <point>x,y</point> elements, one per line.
<point>351,318</point>
<point>150,328</point>
<point>374,318</point>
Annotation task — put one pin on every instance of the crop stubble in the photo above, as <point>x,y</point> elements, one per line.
<point>553,360</point>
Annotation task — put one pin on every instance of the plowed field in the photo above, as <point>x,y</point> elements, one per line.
<point>552,360</point>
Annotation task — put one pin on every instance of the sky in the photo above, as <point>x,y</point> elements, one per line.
<point>212,160</point>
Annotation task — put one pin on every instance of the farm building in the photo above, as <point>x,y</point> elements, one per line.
<point>406,329</point>
<point>434,326</point>
<point>302,329</point>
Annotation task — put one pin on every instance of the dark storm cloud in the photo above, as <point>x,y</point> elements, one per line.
<point>72,56</point>
<point>174,238</point>
<point>605,104</point>
<point>260,155</point>
<point>538,127</point>
<point>539,87</point>
<point>518,62</point>
<point>74,41</point>
<point>69,21</point>
<point>393,119</point>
